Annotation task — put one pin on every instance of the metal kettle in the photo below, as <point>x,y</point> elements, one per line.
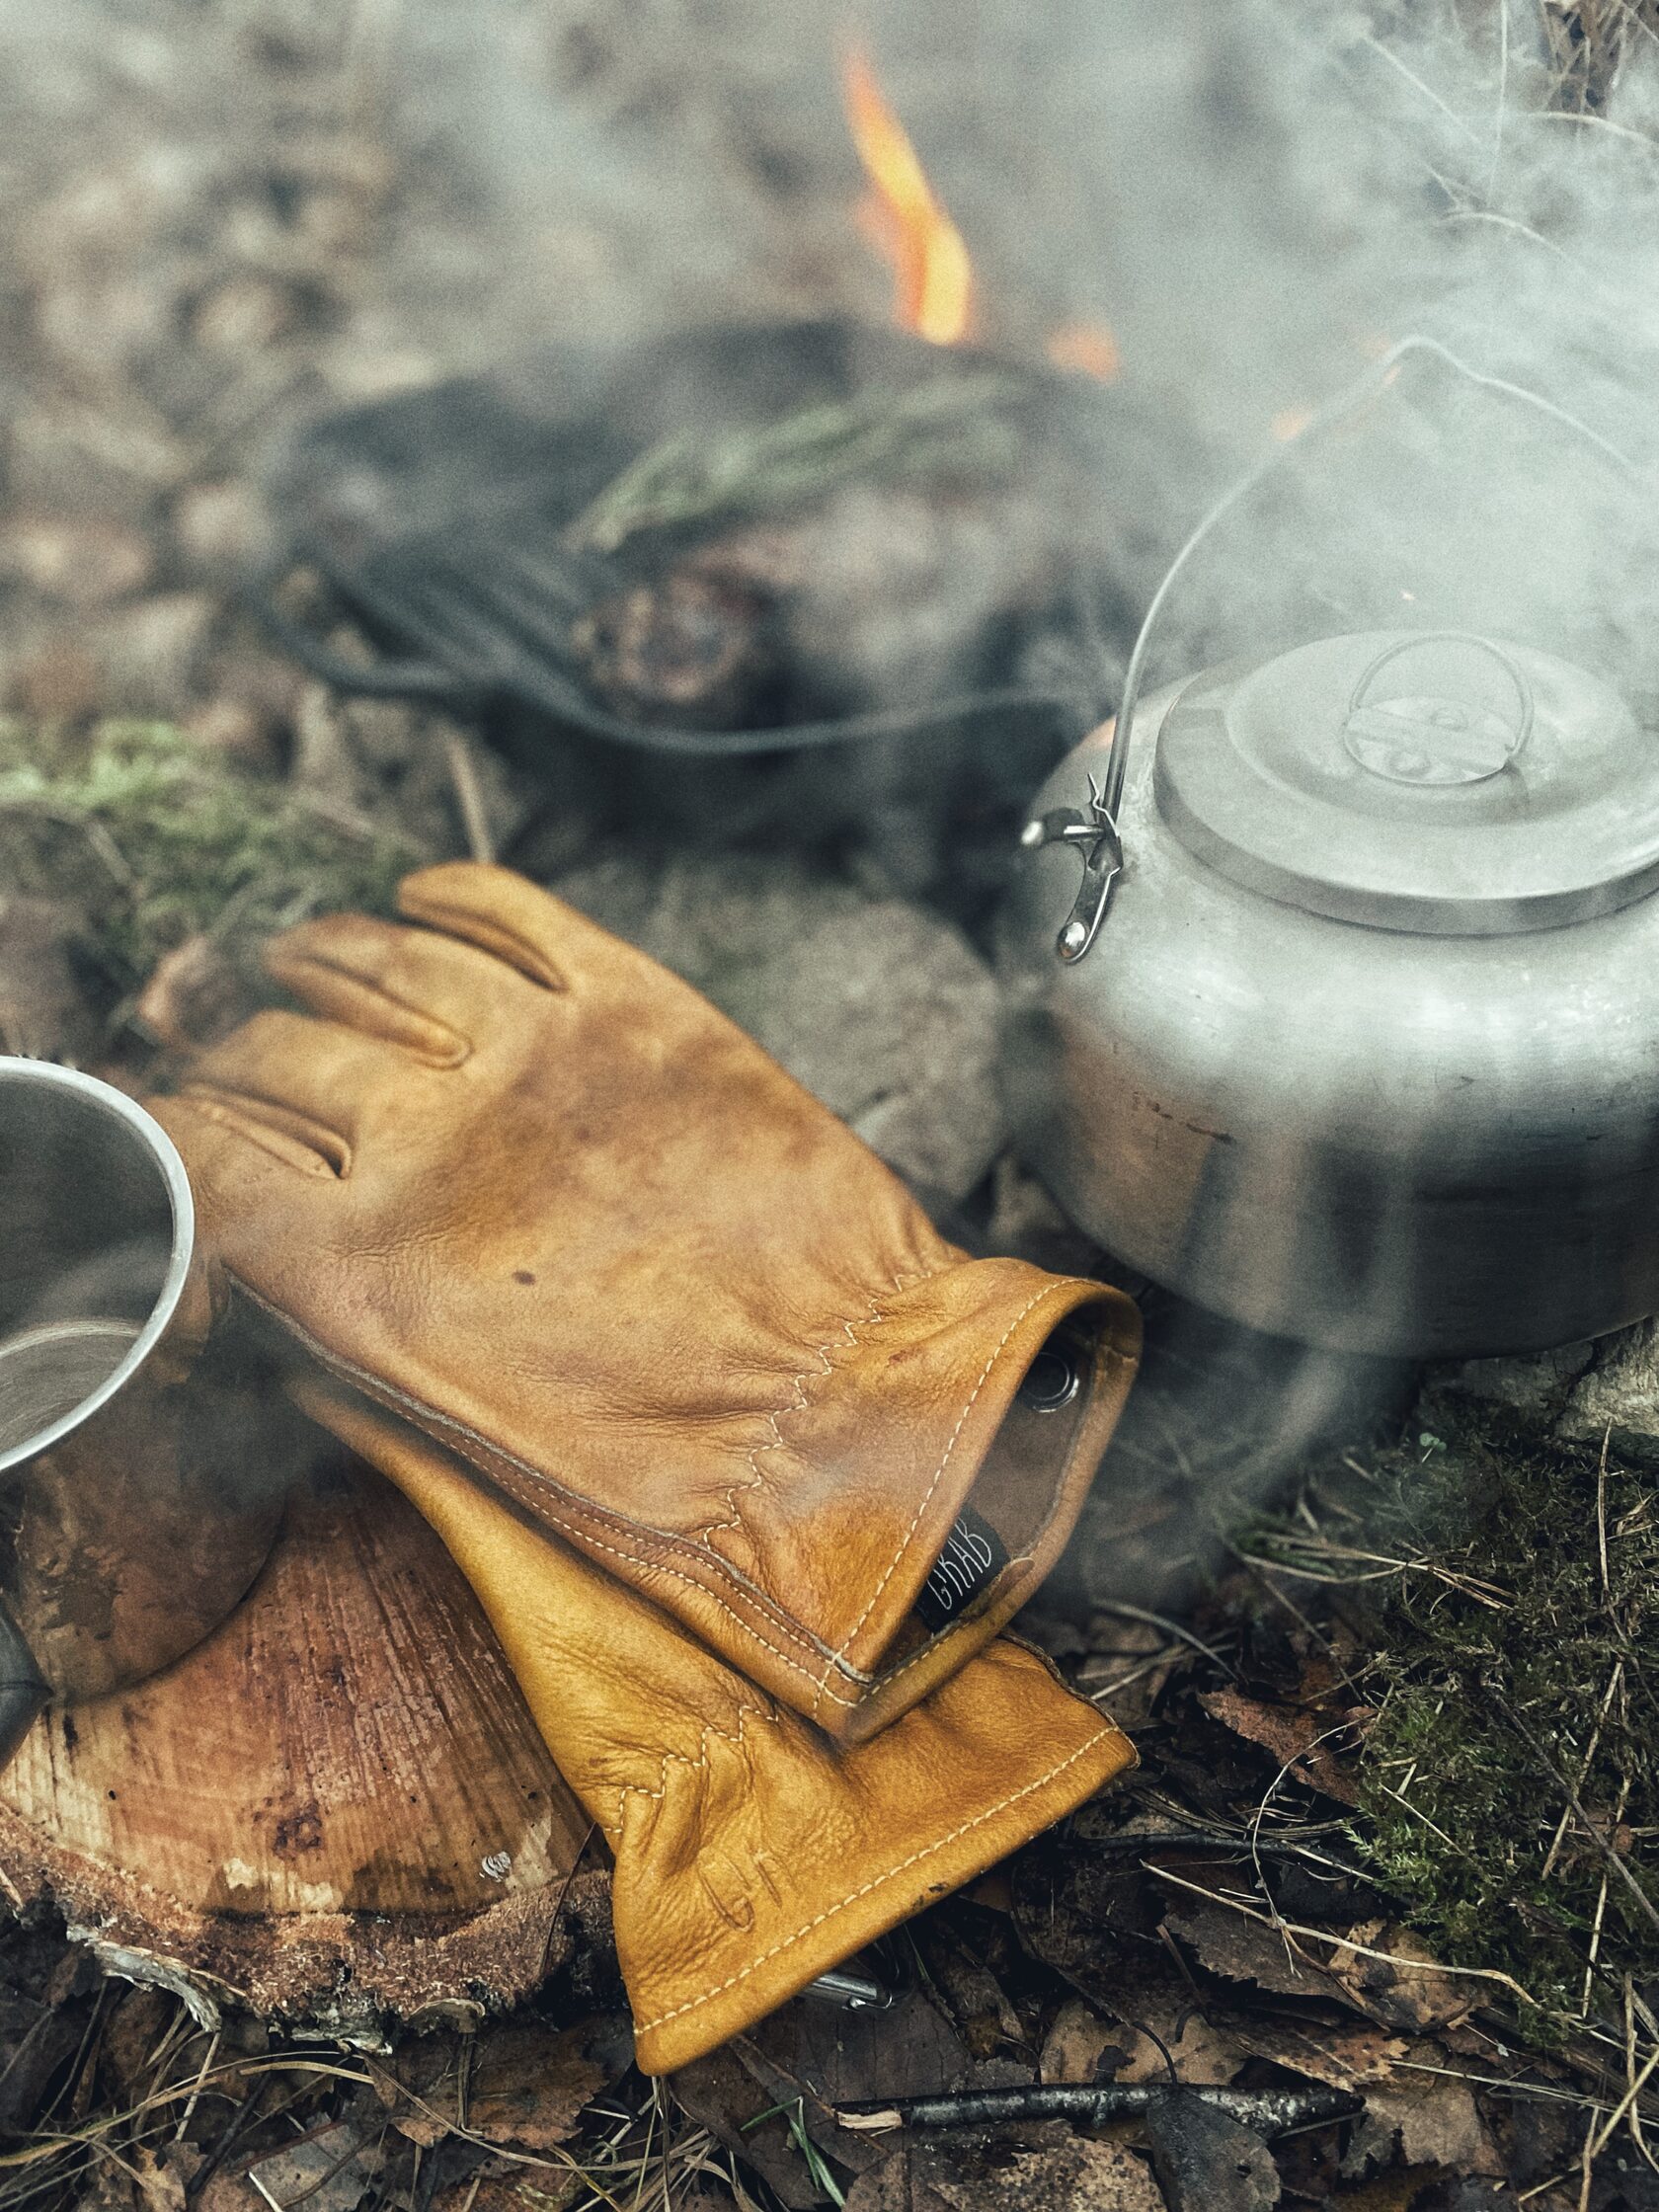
<point>1333,999</point>
<point>1349,1026</point>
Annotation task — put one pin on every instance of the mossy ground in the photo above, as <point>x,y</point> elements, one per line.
<point>1501,1598</point>
<point>156,838</point>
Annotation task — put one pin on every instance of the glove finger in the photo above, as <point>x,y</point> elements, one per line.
<point>508,917</point>
<point>213,1131</point>
<point>427,994</point>
<point>311,1076</point>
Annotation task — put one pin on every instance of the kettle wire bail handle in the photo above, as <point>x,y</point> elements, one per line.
<point>1100,827</point>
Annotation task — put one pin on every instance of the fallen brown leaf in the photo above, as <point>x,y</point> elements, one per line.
<point>1408,1988</point>
<point>1300,1741</point>
<point>530,2083</point>
<point>1347,2057</point>
<point>1243,1948</point>
<point>1073,2046</point>
<point>1076,2172</point>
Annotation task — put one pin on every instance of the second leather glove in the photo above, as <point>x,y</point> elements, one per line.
<point>749,1855</point>
<point>526,1188</point>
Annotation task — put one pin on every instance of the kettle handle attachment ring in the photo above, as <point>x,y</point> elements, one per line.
<point>1097,831</point>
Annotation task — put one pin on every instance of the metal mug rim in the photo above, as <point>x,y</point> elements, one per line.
<point>166,1156</point>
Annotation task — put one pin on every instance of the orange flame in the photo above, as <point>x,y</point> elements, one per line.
<point>934,292</point>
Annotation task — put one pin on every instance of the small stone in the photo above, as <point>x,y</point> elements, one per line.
<point>1534,1387</point>
<point>195,996</point>
<point>145,654</point>
<point>216,525</point>
<point>244,315</point>
<point>66,459</point>
<point>239,731</point>
<point>85,563</point>
<point>43,1011</point>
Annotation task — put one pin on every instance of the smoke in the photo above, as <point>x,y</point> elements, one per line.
<point>1255,200</point>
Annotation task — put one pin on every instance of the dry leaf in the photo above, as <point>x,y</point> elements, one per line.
<point>1074,2173</point>
<point>1300,1741</point>
<point>1397,2191</point>
<point>501,2187</point>
<point>1206,2162</point>
<point>332,2171</point>
<point>1437,2122</point>
<point>1346,2058</point>
<point>161,2186</point>
<point>1246,1949</point>
<point>529,2083</point>
<point>1073,2046</point>
<point>1199,2052</point>
<point>1410,1988</point>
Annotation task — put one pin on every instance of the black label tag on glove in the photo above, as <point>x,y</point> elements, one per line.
<point>973,1557</point>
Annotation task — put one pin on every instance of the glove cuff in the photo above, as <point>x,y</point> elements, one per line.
<point>989,1390</point>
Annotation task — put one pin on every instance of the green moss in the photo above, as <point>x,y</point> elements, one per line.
<point>1512,1611</point>
<point>157,839</point>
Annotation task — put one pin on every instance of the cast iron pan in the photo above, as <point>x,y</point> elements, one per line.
<point>437,520</point>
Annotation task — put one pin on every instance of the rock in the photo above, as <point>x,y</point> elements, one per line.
<point>1026,1224</point>
<point>238,729</point>
<point>43,1011</point>
<point>195,995</point>
<point>244,315</point>
<point>1618,1397</point>
<point>145,654</point>
<point>880,1008</point>
<point>1579,1394</point>
<point>68,460</point>
<point>216,525</point>
<point>1533,1386</point>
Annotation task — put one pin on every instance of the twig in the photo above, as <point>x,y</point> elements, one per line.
<point>469,795</point>
<point>1171,1628</point>
<point>1265,2111</point>
<point>1644,1903</point>
<point>1584,1766</point>
<point>1344,1943</point>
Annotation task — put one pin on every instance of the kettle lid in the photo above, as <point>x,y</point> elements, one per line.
<point>1433,781</point>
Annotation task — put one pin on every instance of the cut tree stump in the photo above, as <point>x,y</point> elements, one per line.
<point>334,1808</point>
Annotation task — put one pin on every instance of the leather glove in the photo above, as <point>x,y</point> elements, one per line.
<point>517,1183</point>
<point>749,1853</point>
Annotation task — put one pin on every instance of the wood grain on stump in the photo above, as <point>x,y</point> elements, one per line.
<point>337,1805</point>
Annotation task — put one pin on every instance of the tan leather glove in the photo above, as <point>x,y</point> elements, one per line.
<point>749,1853</point>
<point>519,1183</point>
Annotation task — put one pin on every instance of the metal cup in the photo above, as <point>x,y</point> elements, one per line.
<point>129,1525</point>
<point>96,1231</point>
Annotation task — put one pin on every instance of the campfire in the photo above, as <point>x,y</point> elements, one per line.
<point>714,804</point>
